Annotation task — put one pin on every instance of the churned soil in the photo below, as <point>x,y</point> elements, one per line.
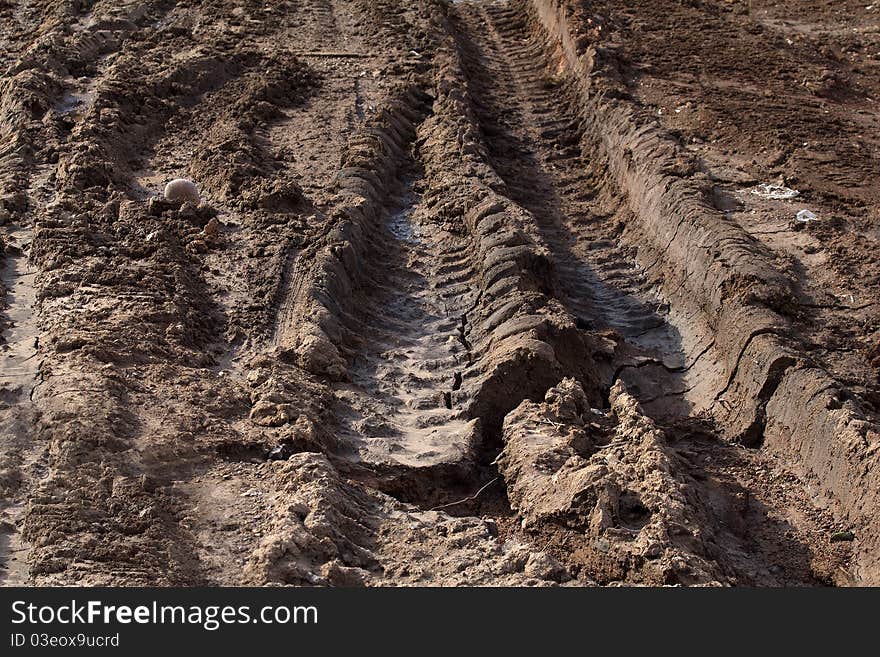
<point>524,292</point>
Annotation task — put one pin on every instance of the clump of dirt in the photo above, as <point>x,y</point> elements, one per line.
<point>612,481</point>
<point>331,532</point>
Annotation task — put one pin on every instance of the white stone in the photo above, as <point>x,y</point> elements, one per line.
<point>182,189</point>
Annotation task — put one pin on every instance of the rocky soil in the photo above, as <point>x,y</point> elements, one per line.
<point>477,293</point>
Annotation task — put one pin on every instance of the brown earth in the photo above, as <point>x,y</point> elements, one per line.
<point>478,293</point>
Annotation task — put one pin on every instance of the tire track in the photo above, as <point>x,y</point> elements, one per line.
<point>30,169</point>
<point>266,171</point>
<point>19,368</point>
<point>402,380</point>
<point>396,352</point>
<point>102,125</point>
<point>319,29</point>
<point>534,144</point>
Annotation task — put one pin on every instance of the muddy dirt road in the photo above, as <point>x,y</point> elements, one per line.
<point>477,293</point>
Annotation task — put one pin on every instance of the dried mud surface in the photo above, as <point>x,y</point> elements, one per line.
<point>478,293</point>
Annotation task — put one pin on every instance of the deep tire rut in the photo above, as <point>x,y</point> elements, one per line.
<point>534,144</point>
<point>411,353</point>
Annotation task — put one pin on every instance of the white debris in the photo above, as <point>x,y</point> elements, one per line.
<point>775,192</point>
<point>805,216</point>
